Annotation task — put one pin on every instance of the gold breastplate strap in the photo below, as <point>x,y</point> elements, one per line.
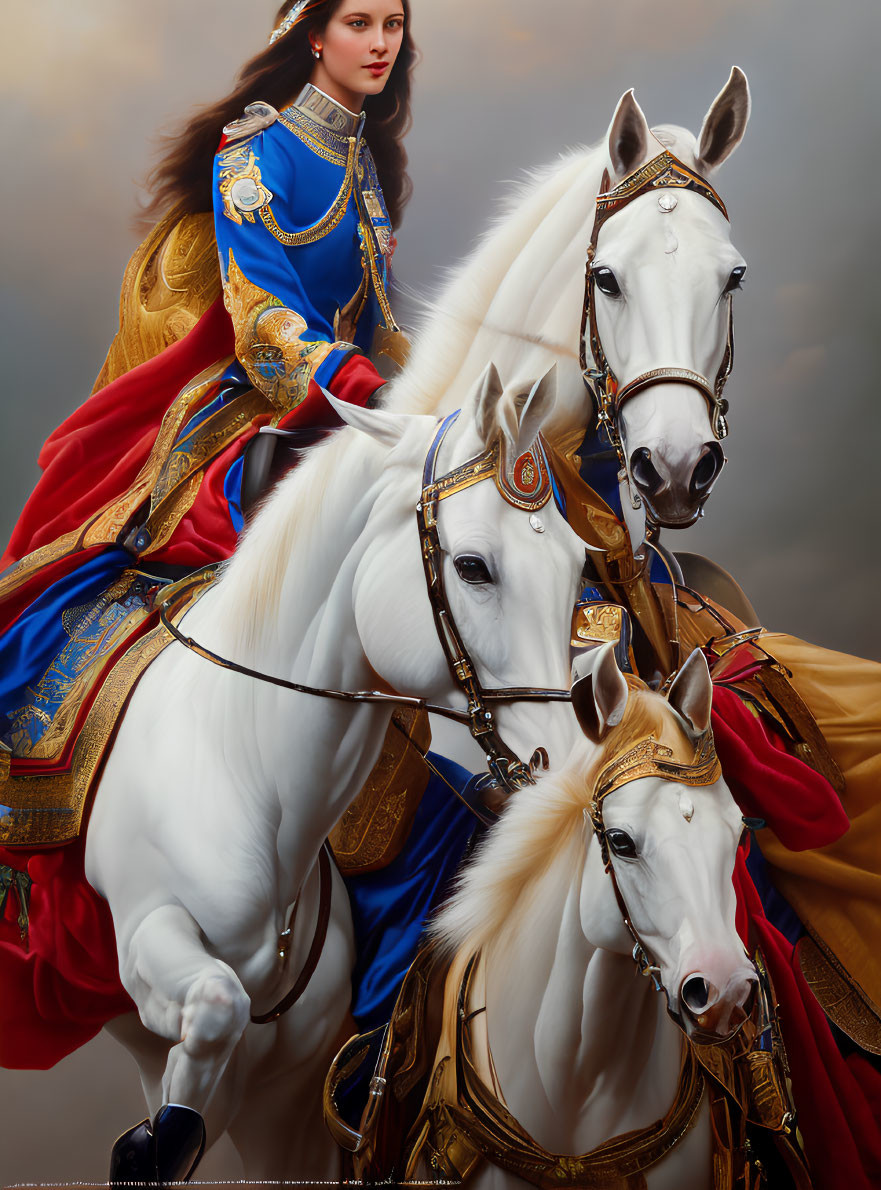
<point>477,1116</point>
<point>332,217</point>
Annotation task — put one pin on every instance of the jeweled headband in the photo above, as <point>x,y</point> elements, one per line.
<point>301,9</point>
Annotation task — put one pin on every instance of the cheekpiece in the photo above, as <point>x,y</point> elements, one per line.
<point>649,758</point>
<point>293,16</point>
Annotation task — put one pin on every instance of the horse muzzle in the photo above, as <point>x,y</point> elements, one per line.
<point>674,489</point>
<point>710,1015</point>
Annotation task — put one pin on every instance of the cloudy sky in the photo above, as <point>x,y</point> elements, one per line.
<point>504,85</point>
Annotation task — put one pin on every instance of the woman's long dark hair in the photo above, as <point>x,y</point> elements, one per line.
<point>182,180</point>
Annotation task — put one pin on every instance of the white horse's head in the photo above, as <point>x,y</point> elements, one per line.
<point>663,269</point>
<point>510,573</point>
<point>669,829</point>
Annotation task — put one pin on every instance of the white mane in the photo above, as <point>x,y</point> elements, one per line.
<point>502,294</point>
<point>475,319</point>
<point>320,506</point>
<point>524,860</point>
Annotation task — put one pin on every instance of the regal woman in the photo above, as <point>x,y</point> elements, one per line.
<point>295,182</point>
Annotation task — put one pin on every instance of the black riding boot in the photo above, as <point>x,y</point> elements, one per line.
<point>167,1150</point>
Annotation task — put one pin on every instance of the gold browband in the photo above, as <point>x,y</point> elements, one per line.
<point>663,170</point>
<point>525,483</point>
<point>648,758</point>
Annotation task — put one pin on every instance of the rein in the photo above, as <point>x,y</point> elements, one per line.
<point>607,394</point>
<point>505,694</point>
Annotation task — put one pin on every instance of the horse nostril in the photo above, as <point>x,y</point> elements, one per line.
<point>644,472</point>
<point>695,993</point>
<point>707,470</point>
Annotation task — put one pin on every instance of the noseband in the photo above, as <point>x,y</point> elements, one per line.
<point>607,395</point>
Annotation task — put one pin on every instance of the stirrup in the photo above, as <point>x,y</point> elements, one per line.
<point>167,1150</point>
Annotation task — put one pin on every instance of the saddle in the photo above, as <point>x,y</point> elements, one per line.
<point>59,739</point>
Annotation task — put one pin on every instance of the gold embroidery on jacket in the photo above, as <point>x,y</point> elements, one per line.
<point>270,343</point>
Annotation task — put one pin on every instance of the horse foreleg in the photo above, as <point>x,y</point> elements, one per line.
<point>185,995</point>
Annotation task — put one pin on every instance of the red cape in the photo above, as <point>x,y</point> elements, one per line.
<point>97,453</point>
<point>95,456</point>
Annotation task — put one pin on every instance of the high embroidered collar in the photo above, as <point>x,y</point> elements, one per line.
<point>326,111</point>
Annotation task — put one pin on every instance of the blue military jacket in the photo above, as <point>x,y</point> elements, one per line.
<point>304,241</point>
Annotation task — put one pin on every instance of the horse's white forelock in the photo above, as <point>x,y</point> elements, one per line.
<point>680,142</point>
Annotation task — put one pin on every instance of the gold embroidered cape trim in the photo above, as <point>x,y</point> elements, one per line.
<point>106,526</point>
<point>172,279</point>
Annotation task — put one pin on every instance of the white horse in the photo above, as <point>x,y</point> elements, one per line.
<point>661,277</point>
<point>220,789</point>
<point>574,1045</point>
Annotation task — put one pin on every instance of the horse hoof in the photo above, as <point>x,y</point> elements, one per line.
<point>178,1143</point>
<point>155,1154</point>
<point>131,1159</point>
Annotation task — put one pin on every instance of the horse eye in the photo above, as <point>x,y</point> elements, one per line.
<point>607,282</point>
<point>621,844</point>
<point>735,281</point>
<point>472,569</point>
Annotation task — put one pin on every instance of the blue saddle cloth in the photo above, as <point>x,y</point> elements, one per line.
<point>390,908</point>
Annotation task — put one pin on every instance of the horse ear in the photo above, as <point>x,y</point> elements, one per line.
<point>599,691</point>
<point>691,694</point>
<point>386,428</point>
<point>487,395</point>
<point>629,137</point>
<point>522,416</point>
<point>725,122</point>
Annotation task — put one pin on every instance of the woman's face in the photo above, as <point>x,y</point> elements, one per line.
<point>358,49</point>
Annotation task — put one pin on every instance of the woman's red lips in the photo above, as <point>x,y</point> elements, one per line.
<point>377,68</point>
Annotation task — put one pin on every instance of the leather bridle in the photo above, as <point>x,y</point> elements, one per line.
<point>647,758</point>
<point>529,485</point>
<point>607,395</point>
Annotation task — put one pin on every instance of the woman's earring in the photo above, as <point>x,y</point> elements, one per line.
<point>316,53</point>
